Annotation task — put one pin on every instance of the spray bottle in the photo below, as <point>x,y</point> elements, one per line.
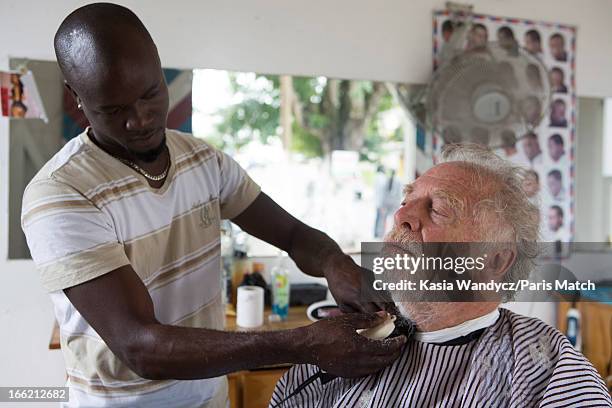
<point>280,287</point>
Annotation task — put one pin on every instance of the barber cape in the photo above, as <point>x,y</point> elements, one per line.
<point>516,362</point>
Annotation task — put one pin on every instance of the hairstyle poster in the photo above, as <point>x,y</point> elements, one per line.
<point>19,97</point>
<point>547,152</point>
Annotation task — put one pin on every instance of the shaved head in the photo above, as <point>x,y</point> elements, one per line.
<point>93,35</point>
<point>111,66</point>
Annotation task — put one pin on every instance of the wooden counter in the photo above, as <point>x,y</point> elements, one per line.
<point>295,318</point>
<point>249,388</point>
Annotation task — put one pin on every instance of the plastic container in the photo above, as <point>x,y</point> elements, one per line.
<point>573,328</point>
<point>280,287</point>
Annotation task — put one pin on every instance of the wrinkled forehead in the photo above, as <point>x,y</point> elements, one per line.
<point>461,180</point>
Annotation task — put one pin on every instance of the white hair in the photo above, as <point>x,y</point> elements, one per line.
<point>507,203</point>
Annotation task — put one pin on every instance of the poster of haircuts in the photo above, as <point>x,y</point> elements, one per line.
<point>19,97</point>
<point>547,152</point>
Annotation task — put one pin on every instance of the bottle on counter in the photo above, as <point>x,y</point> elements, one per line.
<point>258,279</point>
<point>280,287</point>
<point>226,269</point>
<point>240,267</point>
<point>227,254</point>
<point>573,327</point>
<point>258,267</point>
<point>255,277</point>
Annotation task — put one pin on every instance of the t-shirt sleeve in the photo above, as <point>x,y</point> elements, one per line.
<point>70,239</point>
<point>237,189</point>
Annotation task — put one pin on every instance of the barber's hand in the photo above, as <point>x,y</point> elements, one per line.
<point>334,345</point>
<point>351,287</point>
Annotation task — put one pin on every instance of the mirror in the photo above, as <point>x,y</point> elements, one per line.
<point>330,151</point>
<point>32,143</point>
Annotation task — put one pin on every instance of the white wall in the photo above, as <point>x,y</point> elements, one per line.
<point>386,39</point>
<point>593,220</point>
<point>383,40</point>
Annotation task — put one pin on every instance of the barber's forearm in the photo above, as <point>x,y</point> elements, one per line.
<point>314,252</point>
<point>172,352</point>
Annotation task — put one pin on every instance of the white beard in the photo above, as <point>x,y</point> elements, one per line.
<point>423,314</point>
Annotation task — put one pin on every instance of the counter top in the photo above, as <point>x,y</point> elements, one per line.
<point>296,318</point>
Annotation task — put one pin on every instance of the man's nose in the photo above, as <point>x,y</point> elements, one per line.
<point>406,216</point>
<point>141,117</point>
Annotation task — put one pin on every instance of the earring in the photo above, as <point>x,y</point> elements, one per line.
<point>79,105</point>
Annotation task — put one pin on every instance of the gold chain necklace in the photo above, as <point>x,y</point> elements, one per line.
<point>137,167</point>
<point>144,172</point>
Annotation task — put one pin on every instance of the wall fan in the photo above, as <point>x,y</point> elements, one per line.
<point>491,93</point>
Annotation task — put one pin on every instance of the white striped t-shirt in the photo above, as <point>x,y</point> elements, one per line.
<point>86,213</point>
<point>517,362</point>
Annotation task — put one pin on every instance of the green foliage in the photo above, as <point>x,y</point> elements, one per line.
<point>374,141</point>
<point>386,102</point>
<point>305,143</point>
<point>309,90</point>
<point>257,119</point>
<point>256,114</point>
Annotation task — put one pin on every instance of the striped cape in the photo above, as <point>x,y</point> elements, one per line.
<point>516,362</point>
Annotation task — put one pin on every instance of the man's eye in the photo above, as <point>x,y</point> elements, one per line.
<point>438,211</point>
<point>113,111</point>
<point>151,94</point>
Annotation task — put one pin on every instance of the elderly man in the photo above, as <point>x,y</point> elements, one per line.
<point>466,354</point>
<point>123,224</point>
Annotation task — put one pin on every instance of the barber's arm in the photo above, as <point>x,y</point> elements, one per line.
<point>314,253</point>
<point>118,306</point>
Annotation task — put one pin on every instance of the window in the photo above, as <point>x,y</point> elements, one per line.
<point>332,152</point>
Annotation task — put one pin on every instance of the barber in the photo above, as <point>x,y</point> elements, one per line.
<point>123,225</point>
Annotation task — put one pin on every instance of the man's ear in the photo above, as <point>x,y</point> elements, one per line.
<point>73,92</point>
<point>500,262</point>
